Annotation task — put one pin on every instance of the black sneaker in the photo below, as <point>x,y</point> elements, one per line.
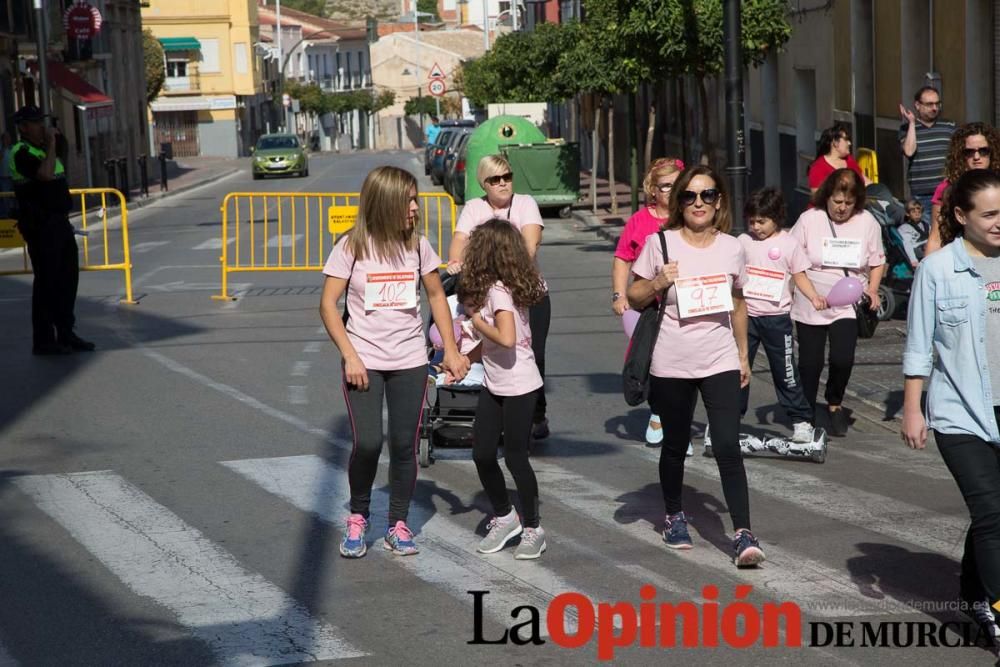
<point>746,549</point>
<point>51,349</point>
<point>76,343</point>
<point>675,531</point>
<point>839,423</point>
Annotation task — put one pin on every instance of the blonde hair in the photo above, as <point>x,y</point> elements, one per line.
<point>491,165</point>
<point>382,215</point>
<point>659,168</point>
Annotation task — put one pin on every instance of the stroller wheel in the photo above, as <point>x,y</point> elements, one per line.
<point>887,305</point>
<point>424,453</point>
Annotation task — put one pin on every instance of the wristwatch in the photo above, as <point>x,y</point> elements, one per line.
<point>616,296</point>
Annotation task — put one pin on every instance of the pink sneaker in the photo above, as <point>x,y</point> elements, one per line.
<point>354,545</point>
<point>399,540</point>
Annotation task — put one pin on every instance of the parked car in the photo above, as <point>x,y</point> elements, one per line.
<point>279,154</point>
<point>443,125</point>
<point>445,147</point>
<point>454,177</point>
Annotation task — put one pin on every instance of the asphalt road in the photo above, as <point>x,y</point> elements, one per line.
<point>177,497</point>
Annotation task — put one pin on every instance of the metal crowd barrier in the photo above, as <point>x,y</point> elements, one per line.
<point>295,231</point>
<point>99,242</point>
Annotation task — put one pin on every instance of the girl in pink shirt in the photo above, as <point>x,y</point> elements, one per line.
<point>499,284</point>
<point>381,265</point>
<point>648,220</point>
<point>701,346</point>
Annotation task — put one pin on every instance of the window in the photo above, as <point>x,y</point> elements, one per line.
<point>209,55</point>
<point>349,77</point>
<point>176,68</point>
<point>312,66</point>
<point>240,57</point>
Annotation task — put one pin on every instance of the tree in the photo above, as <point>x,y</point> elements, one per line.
<point>152,56</point>
<point>428,7</point>
<point>420,105</point>
<point>314,7</point>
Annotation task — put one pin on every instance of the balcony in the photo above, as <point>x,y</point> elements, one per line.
<point>181,85</point>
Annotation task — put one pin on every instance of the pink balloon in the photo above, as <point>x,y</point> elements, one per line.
<point>774,253</point>
<point>435,337</point>
<point>847,291</point>
<point>629,319</point>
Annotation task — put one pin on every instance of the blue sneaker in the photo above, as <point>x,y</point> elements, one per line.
<point>399,540</point>
<point>354,545</point>
<point>675,531</point>
<point>746,549</point>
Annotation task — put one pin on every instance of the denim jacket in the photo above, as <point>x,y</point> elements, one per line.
<point>947,316</point>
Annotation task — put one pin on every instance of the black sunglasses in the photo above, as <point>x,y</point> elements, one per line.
<point>973,152</point>
<point>501,178</point>
<point>709,196</point>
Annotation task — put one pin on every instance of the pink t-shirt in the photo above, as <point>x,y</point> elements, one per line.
<point>938,197</point>
<point>810,230</point>
<point>386,340</point>
<point>820,169</point>
<point>523,211</point>
<point>642,223</point>
<point>779,252</point>
<point>696,347</point>
<point>509,371</point>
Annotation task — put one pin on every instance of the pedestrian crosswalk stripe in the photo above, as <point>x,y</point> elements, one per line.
<point>212,244</point>
<point>147,246</point>
<point>245,619</point>
<point>284,240</point>
<point>320,487</point>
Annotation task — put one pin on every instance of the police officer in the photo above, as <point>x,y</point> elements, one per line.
<point>44,204</point>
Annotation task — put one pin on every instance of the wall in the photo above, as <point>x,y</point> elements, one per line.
<point>217,133</point>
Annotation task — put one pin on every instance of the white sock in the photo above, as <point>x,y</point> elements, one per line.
<point>511,516</point>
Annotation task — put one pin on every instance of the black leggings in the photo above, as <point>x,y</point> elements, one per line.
<point>673,399</point>
<point>539,318</point>
<point>843,335</point>
<point>404,393</point>
<point>509,416</point>
<point>975,465</point>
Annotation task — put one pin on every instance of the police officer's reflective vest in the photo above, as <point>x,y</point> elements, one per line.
<point>18,177</point>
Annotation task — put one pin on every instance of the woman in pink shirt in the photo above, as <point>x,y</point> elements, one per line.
<point>381,265</point>
<point>972,147</point>
<point>648,220</point>
<point>841,239</point>
<point>499,284</point>
<point>701,346</point>
<point>834,153</point>
<point>497,179</point>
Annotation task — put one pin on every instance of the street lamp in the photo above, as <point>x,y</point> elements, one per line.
<point>414,18</point>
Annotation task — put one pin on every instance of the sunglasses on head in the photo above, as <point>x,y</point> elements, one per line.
<point>708,196</point>
<point>973,152</point>
<point>501,178</point>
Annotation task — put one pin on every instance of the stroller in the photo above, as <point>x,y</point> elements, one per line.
<point>449,409</point>
<point>894,290</point>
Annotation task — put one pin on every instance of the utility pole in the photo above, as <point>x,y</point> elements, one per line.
<point>43,64</point>
<point>486,25</point>
<point>736,167</point>
<point>513,15</point>
<point>281,61</point>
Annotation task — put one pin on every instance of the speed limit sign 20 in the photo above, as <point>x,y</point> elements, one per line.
<point>437,87</point>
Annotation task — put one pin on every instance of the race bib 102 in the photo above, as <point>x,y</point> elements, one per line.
<point>391,291</point>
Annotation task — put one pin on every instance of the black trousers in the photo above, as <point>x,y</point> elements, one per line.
<point>673,399</point>
<point>843,335</point>
<point>508,416</point>
<point>539,318</point>
<point>56,264</point>
<point>774,332</point>
<point>975,465</point>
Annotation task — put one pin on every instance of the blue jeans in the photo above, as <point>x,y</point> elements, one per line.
<point>774,332</point>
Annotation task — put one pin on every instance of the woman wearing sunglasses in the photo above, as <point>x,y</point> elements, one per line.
<point>497,180</point>
<point>701,347</point>
<point>972,147</point>
<point>841,239</point>
<point>648,220</point>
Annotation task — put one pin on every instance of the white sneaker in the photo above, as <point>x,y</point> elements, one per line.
<point>654,435</point>
<point>803,432</point>
<point>690,449</point>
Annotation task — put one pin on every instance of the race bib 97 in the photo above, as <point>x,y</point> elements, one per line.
<point>703,295</point>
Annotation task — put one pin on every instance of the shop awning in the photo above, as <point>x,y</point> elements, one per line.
<point>180,43</point>
<point>86,95</point>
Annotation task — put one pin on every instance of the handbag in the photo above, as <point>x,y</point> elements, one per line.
<point>866,318</point>
<point>639,355</point>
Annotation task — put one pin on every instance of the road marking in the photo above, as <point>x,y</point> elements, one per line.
<point>312,347</point>
<point>447,561</point>
<point>185,286</point>
<point>212,244</point>
<point>908,462</point>
<point>284,240</point>
<point>301,368</point>
<point>297,395</point>
<point>244,618</point>
<point>874,512</point>
<point>148,245</point>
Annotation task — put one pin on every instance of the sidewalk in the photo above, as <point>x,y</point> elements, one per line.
<point>183,174</point>
<point>876,386</point>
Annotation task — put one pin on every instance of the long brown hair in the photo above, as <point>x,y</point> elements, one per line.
<point>382,215</point>
<point>960,195</point>
<point>723,219</point>
<point>955,164</point>
<point>496,252</point>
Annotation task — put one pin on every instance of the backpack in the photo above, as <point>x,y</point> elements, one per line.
<point>639,356</point>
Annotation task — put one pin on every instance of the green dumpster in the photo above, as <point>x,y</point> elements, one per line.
<point>549,171</point>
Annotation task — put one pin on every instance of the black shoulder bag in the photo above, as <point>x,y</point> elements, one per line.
<point>867,318</point>
<point>639,356</point>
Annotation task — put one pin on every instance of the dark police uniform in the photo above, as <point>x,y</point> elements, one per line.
<point>43,221</point>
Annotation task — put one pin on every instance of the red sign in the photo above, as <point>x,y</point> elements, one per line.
<point>81,21</point>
